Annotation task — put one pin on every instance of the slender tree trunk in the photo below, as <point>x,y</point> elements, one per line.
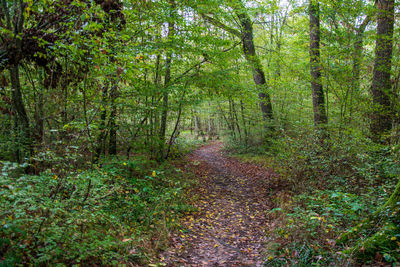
<point>21,118</point>
<point>357,59</point>
<point>38,133</point>
<point>236,120</point>
<point>357,56</point>
<point>381,120</point>
<point>112,146</point>
<point>320,116</point>
<point>198,127</point>
<point>102,127</point>
<point>175,132</point>
<point>246,136</point>
<point>224,118</point>
<point>164,117</point>
<point>156,115</point>
<point>191,122</point>
<point>167,79</point>
<point>64,115</point>
<point>355,83</point>
<point>232,119</point>
<point>39,117</point>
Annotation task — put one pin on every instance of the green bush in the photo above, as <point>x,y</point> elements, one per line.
<point>314,221</point>
<point>102,216</point>
<point>183,145</point>
<point>335,184</point>
<point>346,161</point>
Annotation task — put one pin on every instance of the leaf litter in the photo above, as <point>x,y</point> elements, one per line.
<point>231,223</point>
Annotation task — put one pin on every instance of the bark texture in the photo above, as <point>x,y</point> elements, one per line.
<point>251,56</point>
<point>21,119</point>
<point>381,120</point>
<point>320,116</point>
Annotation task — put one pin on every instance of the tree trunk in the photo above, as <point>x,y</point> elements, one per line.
<point>167,79</point>
<point>39,117</point>
<point>355,83</point>
<point>232,119</point>
<point>38,133</point>
<point>320,116</point>
<point>246,136</point>
<point>112,147</point>
<point>197,126</point>
<point>236,120</point>
<point>381,120</point>
<point>102,127</point>
<point>357,55</point>
<point>255,64</point>
<point>175,132</point>
<point>21,118</point>
<point>156,115</point>
<point>246,35</point>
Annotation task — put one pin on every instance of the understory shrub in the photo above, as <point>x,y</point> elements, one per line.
<point>183,146</point>
<point>314,221</point>
<point>337,179</point>
<point>106,215</point>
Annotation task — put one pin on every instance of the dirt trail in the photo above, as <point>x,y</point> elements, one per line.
<point>233,201</point>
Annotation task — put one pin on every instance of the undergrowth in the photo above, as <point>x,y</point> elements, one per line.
<point>119,212</point>
<point>334,184</point>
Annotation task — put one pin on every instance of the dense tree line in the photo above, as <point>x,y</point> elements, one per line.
<point>64,49</point>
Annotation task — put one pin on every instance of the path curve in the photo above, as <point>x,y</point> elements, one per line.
<point>233,202</point>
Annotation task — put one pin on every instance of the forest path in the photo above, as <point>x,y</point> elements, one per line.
<point>233,199</point>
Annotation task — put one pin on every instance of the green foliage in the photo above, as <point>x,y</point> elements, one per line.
<point>104,215</point>
<point>383,242</point>
<point>376,235</point>
<point>317,219</point>
<point>89,72</point>
<point>302,254</point>
<point>255,145</point>
<point>335,183</point>
<point>6,145</point>
<point>345,161</point>
<point>184,145</point>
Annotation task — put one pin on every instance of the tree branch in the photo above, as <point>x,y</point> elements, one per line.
<point>201,62</point>
<point>220,25</point>
<point>363,25</point>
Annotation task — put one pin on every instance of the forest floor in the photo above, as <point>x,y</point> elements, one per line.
<point>233,200</point>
